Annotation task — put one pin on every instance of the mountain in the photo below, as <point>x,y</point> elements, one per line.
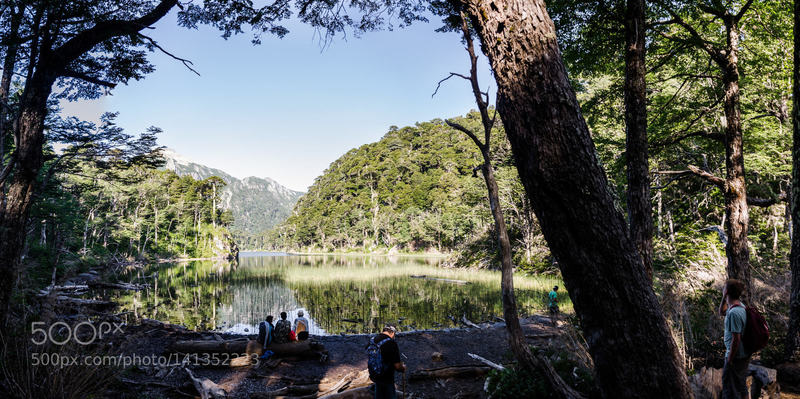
<point>257,204</point>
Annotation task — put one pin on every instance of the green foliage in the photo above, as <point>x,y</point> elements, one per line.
<point>99,209</point>
<point>414,190</point>
<point>517,382</point>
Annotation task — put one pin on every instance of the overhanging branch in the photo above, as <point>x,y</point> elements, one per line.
<point>466,131</point>
<point>82,76</point>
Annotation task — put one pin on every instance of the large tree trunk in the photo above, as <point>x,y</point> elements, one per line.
<point>633,350</point>
<point>9,63</point>
<point>736,210</point>
<point>794,198</point>
<point>640,212</point>
<point>516,337</point>
<point>30,137</point>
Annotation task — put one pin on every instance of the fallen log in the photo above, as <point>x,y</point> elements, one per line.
<point>446,280</point>
<point>114,286</point>
<point>207,388</point>
<point>450,372</point>
<point>469,323</point>
<point>85,302</point>
<point>289,390</point>
<point>486,361</point>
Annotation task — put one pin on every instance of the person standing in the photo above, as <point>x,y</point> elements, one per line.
<point>282,330</point>
<point>734,372</point>
<point>552,305</point>
<point>390,361</point>
<point>301,326</point>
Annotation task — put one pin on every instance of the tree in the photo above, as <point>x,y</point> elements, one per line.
<point>726,57</point>
<point>794,258</point>
<point>640,213</point>
<point>85,47</point>
<point>516,336</point>
<point>556,159</point>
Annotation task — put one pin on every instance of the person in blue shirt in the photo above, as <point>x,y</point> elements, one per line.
<point>265,332</point>
<point>734,372</point>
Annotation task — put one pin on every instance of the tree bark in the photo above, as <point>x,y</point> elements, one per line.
<point>30,139</point>
<point>794,200</point>
<point>9,63</point>
<point>640,213</point>
<point>632,347</point>
<point>737,249</point>
<point>516,337</point>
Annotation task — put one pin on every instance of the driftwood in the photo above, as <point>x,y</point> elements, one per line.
<point>85,302</point>
<point>469,323</point>
<point>446,280</point>
<point>487,362</point>
<point>290,390</point>
<point>114,286</point>
<point>207,388</point>
<point>449,372</point>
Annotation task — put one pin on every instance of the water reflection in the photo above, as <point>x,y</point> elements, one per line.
<point>339,294</point>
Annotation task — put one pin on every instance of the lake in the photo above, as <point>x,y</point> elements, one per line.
<point>338,293</point>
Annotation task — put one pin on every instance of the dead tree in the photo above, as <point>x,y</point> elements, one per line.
<point>516,337</point>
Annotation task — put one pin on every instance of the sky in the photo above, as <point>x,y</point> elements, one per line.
<point>287,108</point>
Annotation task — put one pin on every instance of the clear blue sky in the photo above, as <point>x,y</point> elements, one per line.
<point>285,109</point>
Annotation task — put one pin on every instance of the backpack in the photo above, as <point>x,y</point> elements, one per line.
<point>374,359</point>
<point>756,331</point>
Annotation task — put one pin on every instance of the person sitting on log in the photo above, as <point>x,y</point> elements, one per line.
<point>301,326</point>
<point>282,330</point>
<point>265,332</point>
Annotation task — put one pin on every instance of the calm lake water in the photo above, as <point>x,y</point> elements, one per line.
<point>339,294</point>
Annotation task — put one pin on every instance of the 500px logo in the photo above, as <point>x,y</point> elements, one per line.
<point>83,333</point>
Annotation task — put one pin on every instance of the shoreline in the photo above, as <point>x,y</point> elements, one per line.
<point>404,255</point>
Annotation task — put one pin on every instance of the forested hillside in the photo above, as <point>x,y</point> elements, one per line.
<point>415,190</point>
<point>257,204</point>
<point>106,201</point>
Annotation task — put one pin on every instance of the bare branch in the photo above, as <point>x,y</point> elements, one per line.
<point>448,77</point>
<point>188,64</point>
<point>742,11</point>
<point>709,177</point>
<point>466,131</point>
<point>82,76</point>
<point>694,170</point>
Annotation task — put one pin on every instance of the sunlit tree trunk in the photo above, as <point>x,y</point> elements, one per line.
<point>736,210</point>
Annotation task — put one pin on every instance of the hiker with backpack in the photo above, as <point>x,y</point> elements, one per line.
<point>383,358</point>
<point>301,326</point>
<point>746,332</point>
<point>282,329</point>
